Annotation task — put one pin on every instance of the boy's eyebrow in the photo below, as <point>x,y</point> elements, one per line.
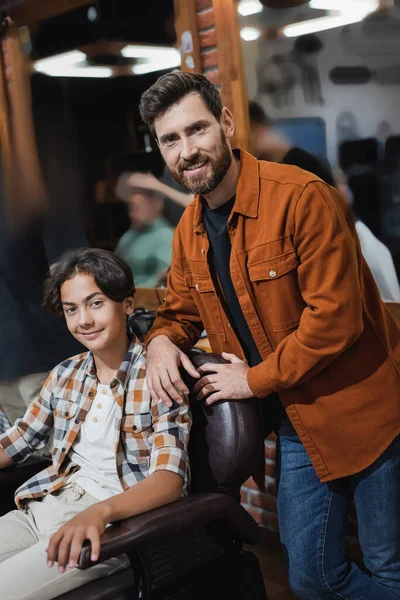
<point>187,128</point>
<point>87,299</point>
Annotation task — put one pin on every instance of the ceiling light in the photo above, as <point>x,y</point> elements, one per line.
<point>155,58</point>
<point>155,65</point>
<point>344,6</point>
<point>322,24</point>
<point>66,59</point>
<point>250,34</point>
<point>148,52</point>
<point>249,7</point>
<point>78,71</point>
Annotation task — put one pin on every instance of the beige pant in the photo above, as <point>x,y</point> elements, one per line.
<point>15,397</point>
<point>24,574</point>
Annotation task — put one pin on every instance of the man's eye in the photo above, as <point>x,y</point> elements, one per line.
<point>69,311</point>
<point>199,128</point>
<point>96,303</point>
<point>169,141</point>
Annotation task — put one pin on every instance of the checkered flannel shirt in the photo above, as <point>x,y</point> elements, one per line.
<point>151,436</point>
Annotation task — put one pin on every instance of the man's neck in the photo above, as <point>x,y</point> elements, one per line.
<point>109,360</point>
<point>227,188</point>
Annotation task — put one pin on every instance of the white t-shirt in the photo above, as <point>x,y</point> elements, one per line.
<point>380,261</point>
<point>94,450</point>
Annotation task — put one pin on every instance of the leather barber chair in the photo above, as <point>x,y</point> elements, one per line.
<point>193,548</point>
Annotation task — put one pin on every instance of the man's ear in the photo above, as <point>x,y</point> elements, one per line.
<point>129,305</point>
<point>227,122</point>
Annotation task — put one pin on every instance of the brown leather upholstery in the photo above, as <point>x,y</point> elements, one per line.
<point>226,441</point>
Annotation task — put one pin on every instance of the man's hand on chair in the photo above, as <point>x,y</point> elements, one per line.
<point>222,381</point>
<point>163,377</point>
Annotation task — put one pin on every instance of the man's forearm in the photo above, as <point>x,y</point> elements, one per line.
<point>5,460</point>
<point>162,487</point>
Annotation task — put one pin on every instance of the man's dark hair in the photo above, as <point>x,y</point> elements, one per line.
<point>111,274</point>
<point>258,115</point>
<point>172,87</point>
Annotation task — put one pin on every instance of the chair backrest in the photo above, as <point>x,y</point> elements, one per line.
<point>226,442</point>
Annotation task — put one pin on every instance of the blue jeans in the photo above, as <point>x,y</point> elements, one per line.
<point>313,521</point>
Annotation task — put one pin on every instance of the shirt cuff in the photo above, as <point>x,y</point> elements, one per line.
<point>260,382</point>
<point>15,446</point>
<point>184,343</point>
<point>170,459</point>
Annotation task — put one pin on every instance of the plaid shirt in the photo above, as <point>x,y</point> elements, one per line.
<point>151,436</point>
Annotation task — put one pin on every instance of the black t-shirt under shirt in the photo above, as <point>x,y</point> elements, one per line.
<point>215,222</point>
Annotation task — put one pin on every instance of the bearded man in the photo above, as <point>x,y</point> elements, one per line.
<point>267,260</point>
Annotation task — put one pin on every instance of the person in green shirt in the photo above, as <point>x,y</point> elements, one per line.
<point>147,245</point>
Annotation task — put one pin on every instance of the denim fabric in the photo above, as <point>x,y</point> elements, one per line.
<point>313,522</point>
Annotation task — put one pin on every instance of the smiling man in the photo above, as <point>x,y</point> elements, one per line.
<point>267,260</point>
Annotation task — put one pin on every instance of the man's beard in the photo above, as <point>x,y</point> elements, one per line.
<point>204,184</point>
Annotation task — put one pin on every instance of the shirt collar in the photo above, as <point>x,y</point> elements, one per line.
<point>247,193</point>
<point>123,375</point>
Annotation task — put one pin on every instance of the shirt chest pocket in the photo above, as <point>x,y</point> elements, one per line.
<point>139,424</point>
<point>65,412</point>
<point>136,430</point>
<point>276,288</point>
<point>202,290</point>
<point>64,409</point>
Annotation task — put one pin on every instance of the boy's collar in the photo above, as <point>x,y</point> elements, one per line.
<point>123,375</point>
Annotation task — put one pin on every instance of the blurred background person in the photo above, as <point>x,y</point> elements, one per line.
<point>147,245</point>
<point>376,254</point>
<point>31,340</point>
<point>267,143</point>
<point>176,197</point>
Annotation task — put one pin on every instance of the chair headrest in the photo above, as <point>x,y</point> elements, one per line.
<point>226,443</point>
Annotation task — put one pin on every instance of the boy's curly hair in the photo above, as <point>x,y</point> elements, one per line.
<point>112,275</point>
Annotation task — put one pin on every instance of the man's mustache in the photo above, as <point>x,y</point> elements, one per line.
<point>193,161</point>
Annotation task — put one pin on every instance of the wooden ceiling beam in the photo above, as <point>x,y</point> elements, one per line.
<point>34,11</point>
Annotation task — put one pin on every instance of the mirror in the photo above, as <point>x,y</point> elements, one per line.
<point>327,74</point>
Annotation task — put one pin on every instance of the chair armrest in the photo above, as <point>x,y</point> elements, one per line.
<point>169,520</point>
<point>18,473</point>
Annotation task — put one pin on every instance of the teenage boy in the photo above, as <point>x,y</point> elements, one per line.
<point>116,453</point>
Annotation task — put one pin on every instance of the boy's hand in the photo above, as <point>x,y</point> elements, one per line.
<point>67,542</point>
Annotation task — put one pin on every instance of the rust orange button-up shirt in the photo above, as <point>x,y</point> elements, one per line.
<point>330,346</point>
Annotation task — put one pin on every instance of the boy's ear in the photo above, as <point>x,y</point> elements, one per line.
<point>129,305</point>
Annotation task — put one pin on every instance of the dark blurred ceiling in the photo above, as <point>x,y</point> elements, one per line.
<point>140,21</point>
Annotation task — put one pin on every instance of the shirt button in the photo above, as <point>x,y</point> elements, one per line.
<point>197,287</point>
<point>104,392</point>
<point>95,419</point>
<point>272,273</point>
<point>203,251</point>
<point>99,405</point>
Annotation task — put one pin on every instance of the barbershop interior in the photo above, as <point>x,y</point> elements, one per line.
<point>314,84</point>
